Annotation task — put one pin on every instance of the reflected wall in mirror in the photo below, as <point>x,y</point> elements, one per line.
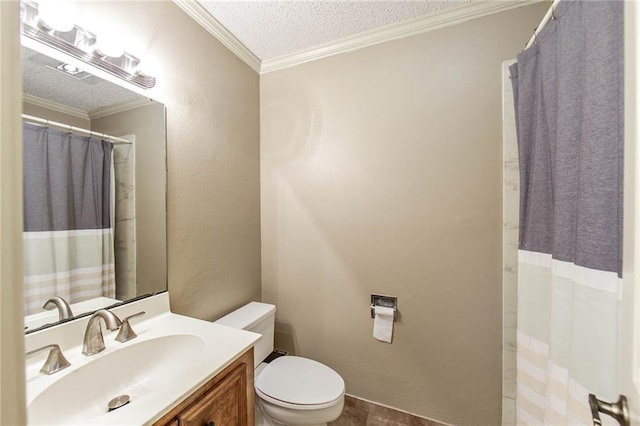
<point>94,211</point>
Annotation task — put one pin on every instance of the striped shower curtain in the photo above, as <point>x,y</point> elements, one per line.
<point>68,234</point>
<point>568,90</point>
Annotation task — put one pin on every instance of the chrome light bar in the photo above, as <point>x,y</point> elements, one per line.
<point>80,44</point>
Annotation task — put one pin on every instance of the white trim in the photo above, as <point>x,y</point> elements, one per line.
<point>114,109</point>
<point>54,106</point>
<point>12,365</point>
<point>445,18</point>
<point>213,26</point>
<point>629,365</point>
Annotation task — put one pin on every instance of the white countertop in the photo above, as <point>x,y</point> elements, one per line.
<point>222,346</point>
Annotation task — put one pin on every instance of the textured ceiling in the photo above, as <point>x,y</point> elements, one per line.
<point>275,28</point>
<point>56,86</point>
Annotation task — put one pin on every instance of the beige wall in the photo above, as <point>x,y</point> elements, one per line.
<point>381,173</point>
<point>212,101</point>
<point>147,123</point>
<point>61,117</point>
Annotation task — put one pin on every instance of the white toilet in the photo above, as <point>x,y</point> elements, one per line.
<point>290,390</point>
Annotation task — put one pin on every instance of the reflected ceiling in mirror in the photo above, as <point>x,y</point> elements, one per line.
<point>62,84</point>
<point>60,260</point>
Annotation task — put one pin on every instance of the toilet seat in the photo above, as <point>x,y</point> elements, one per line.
<point>299,383</point>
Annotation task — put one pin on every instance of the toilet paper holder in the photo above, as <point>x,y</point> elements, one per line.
<point>387,302</point>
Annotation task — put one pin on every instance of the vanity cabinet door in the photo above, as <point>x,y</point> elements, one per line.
<point>224,405</point>
<point>226,400</point>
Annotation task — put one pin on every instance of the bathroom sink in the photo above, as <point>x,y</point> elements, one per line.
<point>139,370</point>
<point>172,357</point>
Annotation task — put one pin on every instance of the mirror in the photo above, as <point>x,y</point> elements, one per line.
<point>130,241</point>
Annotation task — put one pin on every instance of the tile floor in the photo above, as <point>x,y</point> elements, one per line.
<point>358,412</point>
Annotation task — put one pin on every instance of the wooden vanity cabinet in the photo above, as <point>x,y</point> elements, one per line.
<point>225,400</point>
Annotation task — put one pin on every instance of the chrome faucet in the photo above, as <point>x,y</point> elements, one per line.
<point>93,340</point>
<point>64,310</point>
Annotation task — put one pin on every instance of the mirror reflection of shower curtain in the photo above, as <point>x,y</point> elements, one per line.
<point>68,232</point>
<point>568,90</point>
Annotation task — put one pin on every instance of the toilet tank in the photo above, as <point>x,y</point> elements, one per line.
<point>259,318</point>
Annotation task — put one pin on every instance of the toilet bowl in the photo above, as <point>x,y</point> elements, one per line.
<point>290,390</point>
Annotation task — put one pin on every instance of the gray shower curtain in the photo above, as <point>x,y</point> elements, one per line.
<point>68,235</point>
<point>568,90</point>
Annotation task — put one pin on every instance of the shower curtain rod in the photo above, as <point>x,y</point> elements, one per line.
<point>547,17</point>
<point>43,121</point>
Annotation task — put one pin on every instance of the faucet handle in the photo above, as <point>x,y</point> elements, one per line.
<point>126,333</point>
<point>55,361</point>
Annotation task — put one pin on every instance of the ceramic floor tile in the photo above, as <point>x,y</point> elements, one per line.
<point>359,412</point>
<point>349,401</point>
<point>350,417</point>
<point>373,420</point>
<point>392,414</point>
<point>419,421</point>
<point>363,405</point>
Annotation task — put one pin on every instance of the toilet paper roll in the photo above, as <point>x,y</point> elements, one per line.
<point>383,323</point>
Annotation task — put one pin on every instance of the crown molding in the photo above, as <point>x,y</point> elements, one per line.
<point>54,106</point>
<point>213,26</point>
<point>447,17</point>
<point>114,109</point>
<point>76,112</point>
<point>444,18</point>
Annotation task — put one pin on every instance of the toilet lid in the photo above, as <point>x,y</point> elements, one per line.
<point>300,381</point>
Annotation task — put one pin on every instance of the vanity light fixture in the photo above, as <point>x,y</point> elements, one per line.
<point>80,44</point>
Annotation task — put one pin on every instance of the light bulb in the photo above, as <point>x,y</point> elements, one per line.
<point>57,15</point>
<point>148,65</point>
<point>108,45</point>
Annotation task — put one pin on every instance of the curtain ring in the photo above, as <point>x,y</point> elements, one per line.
<point>553,13</point>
